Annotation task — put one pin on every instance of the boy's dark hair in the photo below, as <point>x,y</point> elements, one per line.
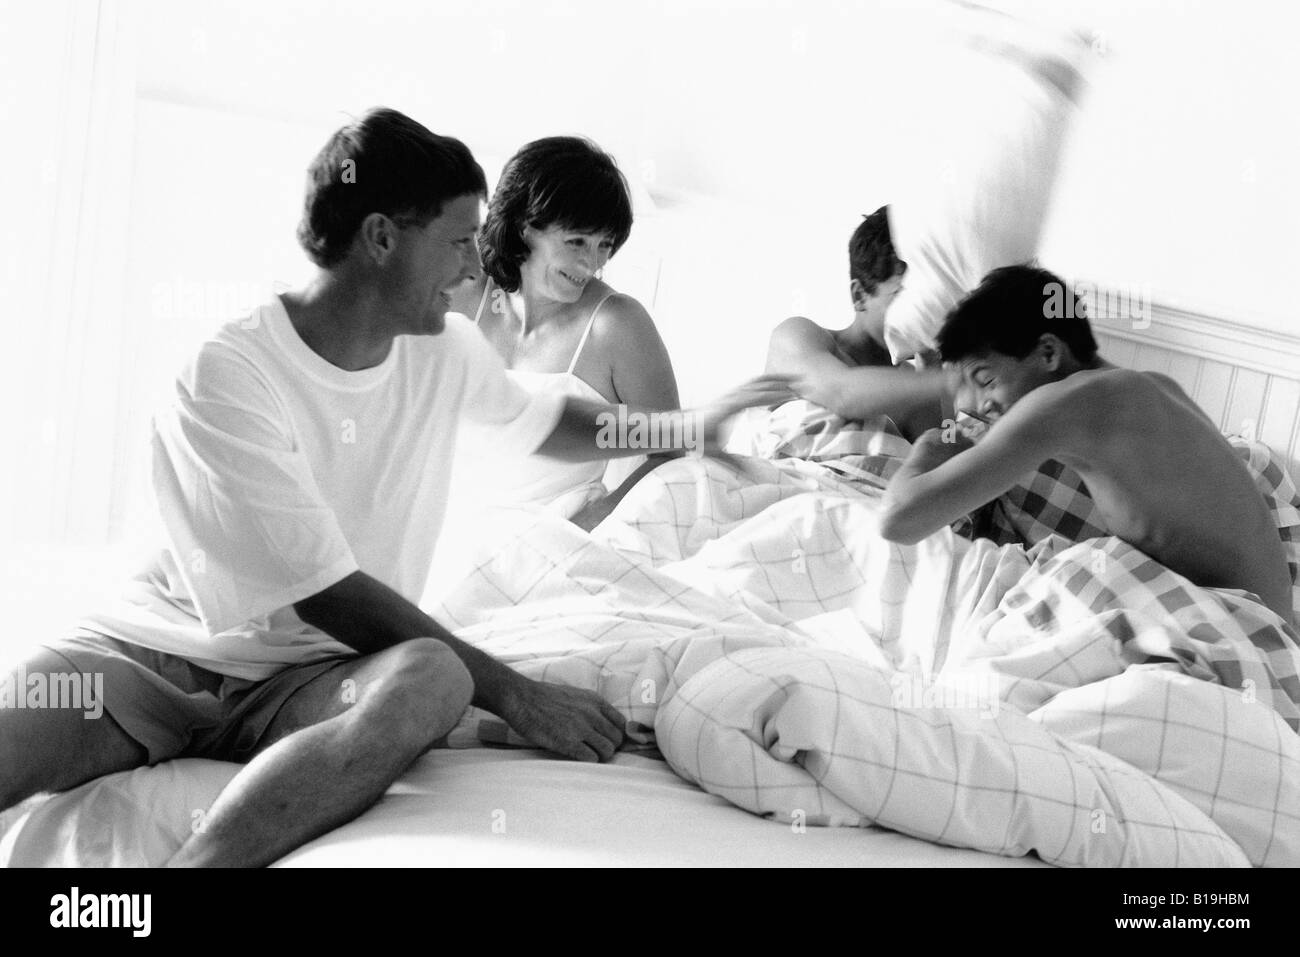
<point>1010,310</point>
<point>563,181</point>
<point>872,259</point>
<point>384,162</point>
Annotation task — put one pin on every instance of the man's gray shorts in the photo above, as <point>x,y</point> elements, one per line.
<point>174,708</point>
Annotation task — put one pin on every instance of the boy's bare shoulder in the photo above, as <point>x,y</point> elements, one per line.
<point>797,336</point>
<point>1114,391</point>
<point>1083,406</point>
<point>1170,386</point>
<point>798,329</point>
<point>1070,393</point>
<point>1106,389</point>
<point>1118,409</point>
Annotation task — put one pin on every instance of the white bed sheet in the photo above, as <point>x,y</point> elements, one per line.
<point>481,807</point>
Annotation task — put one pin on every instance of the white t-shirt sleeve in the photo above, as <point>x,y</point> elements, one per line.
<point>498,408</point>
<point>245,520</point>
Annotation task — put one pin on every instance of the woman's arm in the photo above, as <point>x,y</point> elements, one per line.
<point>640,369</point>
<point>641,373</point>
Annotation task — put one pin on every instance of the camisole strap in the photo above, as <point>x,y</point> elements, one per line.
<point>573,363</point>
<point>487,290</point>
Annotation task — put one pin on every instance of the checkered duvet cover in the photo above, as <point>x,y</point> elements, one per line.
<point>1074,700</point>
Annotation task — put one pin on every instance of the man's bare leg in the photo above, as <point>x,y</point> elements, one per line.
<point>331,752</point>
<point>54,749</point>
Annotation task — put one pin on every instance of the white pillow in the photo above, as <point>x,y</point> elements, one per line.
<point>986,155</point>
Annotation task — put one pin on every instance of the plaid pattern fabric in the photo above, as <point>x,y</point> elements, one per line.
<point>870,452</point>
<point>756,630</point>
<point>1051,501</point>
<point>1055,501</point>
<point>1279,491</point>
<point>819,738</point>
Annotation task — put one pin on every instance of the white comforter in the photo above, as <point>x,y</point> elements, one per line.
<point>1081,702</point>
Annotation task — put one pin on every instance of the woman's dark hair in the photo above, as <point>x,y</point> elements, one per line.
<point>385,162</point>
<point>872,259</point>
<point>1010,310</point>
<point>563,181</point>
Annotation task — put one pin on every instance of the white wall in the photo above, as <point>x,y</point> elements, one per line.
<point>1181,170</point>
<point>1177,179</point>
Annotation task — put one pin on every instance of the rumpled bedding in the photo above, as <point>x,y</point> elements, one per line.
<point>868,452</point>
<point>1078,701</point>
<point>1051,500</point>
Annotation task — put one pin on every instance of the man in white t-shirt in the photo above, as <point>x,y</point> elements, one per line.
<point>301,473</point>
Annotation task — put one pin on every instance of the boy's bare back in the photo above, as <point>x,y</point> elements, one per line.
<point>1168,482</point>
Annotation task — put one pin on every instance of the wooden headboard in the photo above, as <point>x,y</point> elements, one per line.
<point>1246,379</point>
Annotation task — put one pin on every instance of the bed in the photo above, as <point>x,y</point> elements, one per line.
<point>481,807</point>
<point>1068,703</point>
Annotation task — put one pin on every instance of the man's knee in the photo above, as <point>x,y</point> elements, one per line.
<point>425,691</point>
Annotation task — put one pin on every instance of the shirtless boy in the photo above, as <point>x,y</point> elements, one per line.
<point>849,371</point>
<point>1166,481</point>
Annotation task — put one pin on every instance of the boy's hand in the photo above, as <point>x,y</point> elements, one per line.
<point>936,446</point>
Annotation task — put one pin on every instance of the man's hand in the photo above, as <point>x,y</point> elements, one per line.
<point>581,435</point>
<point>569,721</point>
<point>765,390</point>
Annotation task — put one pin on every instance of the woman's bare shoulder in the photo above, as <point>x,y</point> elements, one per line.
<point>622,319</point>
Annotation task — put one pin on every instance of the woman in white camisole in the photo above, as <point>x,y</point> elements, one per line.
<point>561,209</point>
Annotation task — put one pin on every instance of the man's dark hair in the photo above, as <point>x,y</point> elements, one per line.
<point>872,259</point>
<point>384,162</point>
<point>563,181</point>
<point>1010,310</point>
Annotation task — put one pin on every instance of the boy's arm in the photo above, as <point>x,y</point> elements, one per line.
<point>937,485</point>
<point>801,348</point>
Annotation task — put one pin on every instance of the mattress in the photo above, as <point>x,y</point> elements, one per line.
<point>479,807</point>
